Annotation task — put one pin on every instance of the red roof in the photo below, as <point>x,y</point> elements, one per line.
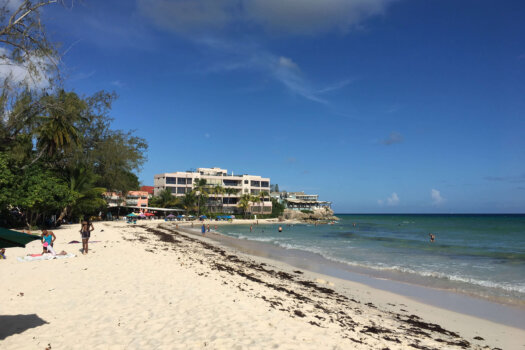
<point>148,189</point>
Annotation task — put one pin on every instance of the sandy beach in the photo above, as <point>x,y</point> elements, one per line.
<point>151,285</point>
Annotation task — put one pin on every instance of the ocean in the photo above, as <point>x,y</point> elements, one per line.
<point>480,255</point>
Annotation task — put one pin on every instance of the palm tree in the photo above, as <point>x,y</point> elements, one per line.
<point>88,198</point>
<point>255,199</point>
<point>201,192</point>
<point>219,190</point>
<point>188,201</point>
<point>57,131</point>
<point>244,203</point>
<point>262,196</point>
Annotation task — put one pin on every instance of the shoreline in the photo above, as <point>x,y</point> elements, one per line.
<point>152,286</point>
<point>469,304</point>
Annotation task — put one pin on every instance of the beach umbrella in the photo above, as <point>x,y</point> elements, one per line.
<point>142,215</point>
<point>131,214</point>
<point>9,238</point>
<point>149,214</point>
<point>171,216</point>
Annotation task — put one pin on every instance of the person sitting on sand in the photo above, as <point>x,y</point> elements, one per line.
<point>85,230</point>
<point>432,237</point>
<point>47,237</point>
<point>2,254</point>
<point>50,250</point>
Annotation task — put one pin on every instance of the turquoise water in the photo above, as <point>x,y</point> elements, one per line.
<point>482,255</point>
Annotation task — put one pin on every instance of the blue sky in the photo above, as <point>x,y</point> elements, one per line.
<point>377,105</point>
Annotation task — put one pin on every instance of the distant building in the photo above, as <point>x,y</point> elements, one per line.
<point>148,189</point>
<point>300,200</point>
<point>137,198</point>
<point>181,182</point>
<point>114,199</point>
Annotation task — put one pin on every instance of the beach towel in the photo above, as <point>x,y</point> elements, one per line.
<point>38,257</point>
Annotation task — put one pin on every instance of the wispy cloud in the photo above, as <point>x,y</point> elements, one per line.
<point>392,201</point>
<point>118,83</point>
<point>282,69</point>
<point>509,179</point>
<point>82,75</point>
<point>436,197</point>
<point>394,137</point>
<point>290,17</point>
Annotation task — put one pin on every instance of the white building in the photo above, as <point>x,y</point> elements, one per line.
<point>181,182</point>
<point>300,200</point>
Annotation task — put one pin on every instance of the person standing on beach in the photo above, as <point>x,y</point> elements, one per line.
<point>203,229</point>
<point>208,227</point>
<point>49,238</point>
<point>85,230</point>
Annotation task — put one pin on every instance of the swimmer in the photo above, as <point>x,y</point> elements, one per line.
<point>432,237</point>
<point>280,229</point>
<point>251,228</point>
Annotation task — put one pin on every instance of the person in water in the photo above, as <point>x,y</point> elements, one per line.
<point>85,231</point>
<point>432,237</point>
<point>280,229</point>
<point>49,238</point>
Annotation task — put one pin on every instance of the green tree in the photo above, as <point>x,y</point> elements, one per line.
<point>262,196</point>
<point>189,201</point>
<point>57,131</point>
<point>245,203</point>
<point>201,192</point>
<point>87,197</point>
<point>164,200</point>
<point>39,192</point>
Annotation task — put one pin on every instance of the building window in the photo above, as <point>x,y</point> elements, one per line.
<point>265,184</point>
<point>181,190</point>
<point>256,183</point>
<point>181,181</point>
<point>245,182</point>
<point>172,189</point>
<point>171,180</point>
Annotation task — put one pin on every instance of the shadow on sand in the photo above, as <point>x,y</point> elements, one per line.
<point>15,324</point>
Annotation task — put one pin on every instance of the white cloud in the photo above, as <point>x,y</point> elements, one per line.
<point>292,17</point>
<point>436,197</point>
<point>21,73</point>
<point>13,5</point>
<point>393,200</point>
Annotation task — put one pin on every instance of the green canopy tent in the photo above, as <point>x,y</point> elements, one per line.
<point>9,238</point>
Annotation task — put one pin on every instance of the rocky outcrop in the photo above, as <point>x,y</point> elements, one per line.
<point>318,215</point>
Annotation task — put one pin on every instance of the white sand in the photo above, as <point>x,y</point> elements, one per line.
<point>133,291</point>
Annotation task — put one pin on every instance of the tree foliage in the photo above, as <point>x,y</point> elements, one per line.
<point>58,151</point>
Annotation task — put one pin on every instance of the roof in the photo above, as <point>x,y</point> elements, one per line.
<point>305,201</point>
<point>148,189</point>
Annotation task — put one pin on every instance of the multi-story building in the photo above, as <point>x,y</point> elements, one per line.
<point>300,200</point>
<point>113,199</point>
<point>179,183</point>
<point>137,198</point>
<point>148,189</point>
